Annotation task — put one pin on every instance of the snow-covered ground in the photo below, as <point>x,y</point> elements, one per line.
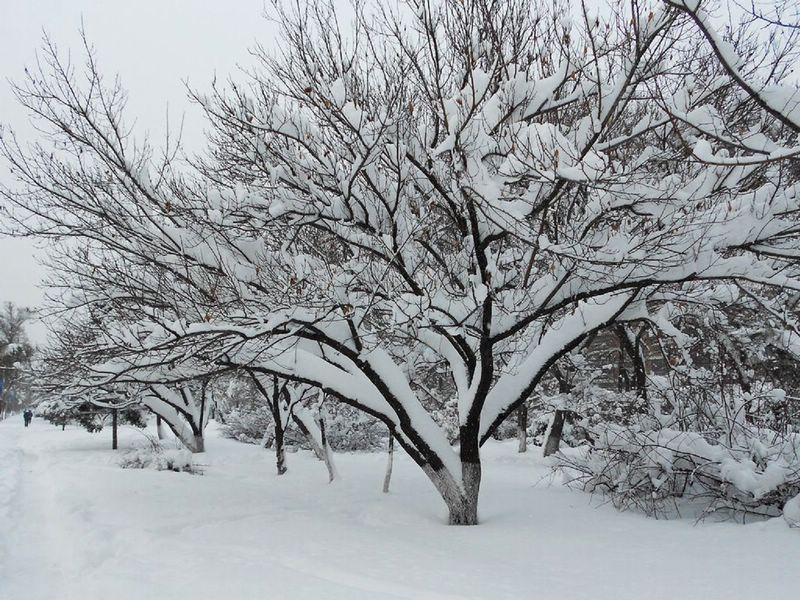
<point>73,525</point>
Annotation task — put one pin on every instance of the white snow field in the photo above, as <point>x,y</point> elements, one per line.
<point>74,525</point>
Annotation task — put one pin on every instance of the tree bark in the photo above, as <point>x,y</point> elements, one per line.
<point>322,453</point>
<point>280,450</point>
<point>553,440</point>
<point>114,420</point>
<point>461,501</point>
<point>278,429</point>
<point>315,447</point>
<point>460,510</point>
<point>326,448</point>
<point>522,427</point>
<point>387,478</point>
<point>192,439</point>
<point>199,444</point>
<point>462,505</point>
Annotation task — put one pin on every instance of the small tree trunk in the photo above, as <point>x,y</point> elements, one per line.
<point>553,440</point>
<point>304,429</point>
<point>280,451</point>
<point>319,446</point>
<point>387,478</point>
<point>326,448</point>
<point>114,419</point>
<point>522,427</point>
<point>277,424</point>
<point>160,428</point>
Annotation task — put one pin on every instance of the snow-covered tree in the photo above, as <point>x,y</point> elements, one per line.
<point>470,188</point>
<point>497,183</point>
<point>15,355</point>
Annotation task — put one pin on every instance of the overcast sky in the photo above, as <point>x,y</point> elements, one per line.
<point>154,45</point>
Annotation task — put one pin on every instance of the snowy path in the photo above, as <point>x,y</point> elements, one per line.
<point>73,525</point>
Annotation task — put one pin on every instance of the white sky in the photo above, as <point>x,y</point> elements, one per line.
<point>154,45</point>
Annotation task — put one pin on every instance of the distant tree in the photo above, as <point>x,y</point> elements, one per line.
<point>15,354</point>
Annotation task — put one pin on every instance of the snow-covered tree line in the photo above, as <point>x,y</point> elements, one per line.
<point>426,209</point>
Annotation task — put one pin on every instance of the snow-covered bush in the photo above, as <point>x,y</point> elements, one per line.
<point>791,511</point>
<point>350,430</point>
<point>250,425</point>
<point>693,448</point>
<point>155,456</point>
<point>346,428</point>
<point>662,470</point>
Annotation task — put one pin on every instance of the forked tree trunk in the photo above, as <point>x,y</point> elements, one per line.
<point>323,454</point>
<point>522,427</point>
<point>199,444</point>
<point>461,501</point>
<point>274,398</point>
<point>387,478</point>
<point>190,438</point>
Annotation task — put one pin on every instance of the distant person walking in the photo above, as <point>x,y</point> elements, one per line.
<point>28,416</point>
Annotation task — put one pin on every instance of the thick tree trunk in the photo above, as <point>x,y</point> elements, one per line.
<point>160,428</point>
<point>465,510</point>
<point>522,427</point>
<point>458,507</point>
<point>387,478</point>
<point>114,421</point>
<point>199,444</point>
<point>461,501</point>
<point>553,440</point>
